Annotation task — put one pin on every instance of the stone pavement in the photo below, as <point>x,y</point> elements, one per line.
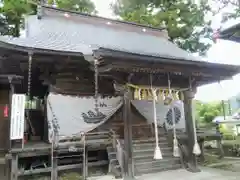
<point>205,174</point>
<point>2,177</point>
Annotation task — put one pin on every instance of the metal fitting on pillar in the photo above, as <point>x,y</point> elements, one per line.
<point>190,94</point>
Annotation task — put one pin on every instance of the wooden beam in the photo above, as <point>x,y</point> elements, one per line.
<point>158,67</point>
<point>188,108</point>
<point>127,118</point>
<point>60,168</point>
<point>14,168</point>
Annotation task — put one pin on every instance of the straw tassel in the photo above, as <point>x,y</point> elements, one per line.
<point>175,95</point>
<point>163,95</point>
<point>139,94</point>
<point>160,95</point>
<point>136,94</point>
<point>175,141</point>
<point>196,147</point>
<point>157,152</point>
<point>175,148</point>
<point>144,94</point>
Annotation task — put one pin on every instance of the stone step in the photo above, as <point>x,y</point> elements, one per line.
<point>150,145</point>
<point>151,160</point>
<point>140,171</point>
<point>157,163</point>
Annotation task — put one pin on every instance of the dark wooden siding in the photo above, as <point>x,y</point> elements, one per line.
<point>4,121</point>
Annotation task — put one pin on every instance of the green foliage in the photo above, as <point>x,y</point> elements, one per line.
<point>84,6</point>
<point>184,20</point>
<point>208,111</point>
<point>227,132</point>
<point>235,13</point>
<point>13,11</point>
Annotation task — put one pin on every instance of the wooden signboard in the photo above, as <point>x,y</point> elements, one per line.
<point>17,116</point>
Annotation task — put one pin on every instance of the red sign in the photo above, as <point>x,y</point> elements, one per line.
<point>5,111</point>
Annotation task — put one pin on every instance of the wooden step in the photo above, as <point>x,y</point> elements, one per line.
<point>150,145</point>
<point>151,150</point>
<point>165,159</point>
<point>150,155</point>
<point>150,140</point>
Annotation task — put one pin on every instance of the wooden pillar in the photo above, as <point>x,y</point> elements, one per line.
<point>54,164</point>
<point>128,160</point>
<point>201,143</point>
<point>85,154</point>
<point>219,141</point>
<point>11,92</point>
<point>14,167</point>
<point>12,164</point>
<point>188,107</point>
<point>86,162</point>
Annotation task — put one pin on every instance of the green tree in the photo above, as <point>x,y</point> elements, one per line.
<point>84,6</point>
<point>206,112</point>
<point>13,11</point>
<point>235,9</point>
<point>184,20</point>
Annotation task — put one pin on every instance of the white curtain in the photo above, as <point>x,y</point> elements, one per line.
<point>145,107</point>
<point>73,114</point>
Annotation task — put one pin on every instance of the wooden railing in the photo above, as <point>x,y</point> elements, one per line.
<point>116,143</point>
<point>113,137</point>
<point>72,144</point>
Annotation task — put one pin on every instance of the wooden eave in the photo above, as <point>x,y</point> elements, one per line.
<point>15,60</point>
<point>7,46</point>
<point>116,61</point>
<point>230,30</point>
<point>204,72</point>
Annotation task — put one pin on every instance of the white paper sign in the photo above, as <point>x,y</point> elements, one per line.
<point>17,116</point>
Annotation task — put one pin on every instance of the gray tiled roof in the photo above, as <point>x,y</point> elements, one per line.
<point>63,34</point>
<point>48,41</point>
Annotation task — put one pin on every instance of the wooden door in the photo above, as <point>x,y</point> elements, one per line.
<point>4,121</point>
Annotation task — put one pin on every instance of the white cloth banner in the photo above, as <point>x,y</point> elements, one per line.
<point>17,116</point>
<point>164,112</point>
<point>72,115</point>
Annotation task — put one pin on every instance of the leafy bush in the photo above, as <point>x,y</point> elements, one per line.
<point>229,137</point>
<point>227,132</point>
<point>232,150</point>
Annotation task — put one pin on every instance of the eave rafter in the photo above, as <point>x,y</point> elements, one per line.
<point>156,68</point>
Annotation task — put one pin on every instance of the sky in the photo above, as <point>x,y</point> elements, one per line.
<point>221,52</point>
